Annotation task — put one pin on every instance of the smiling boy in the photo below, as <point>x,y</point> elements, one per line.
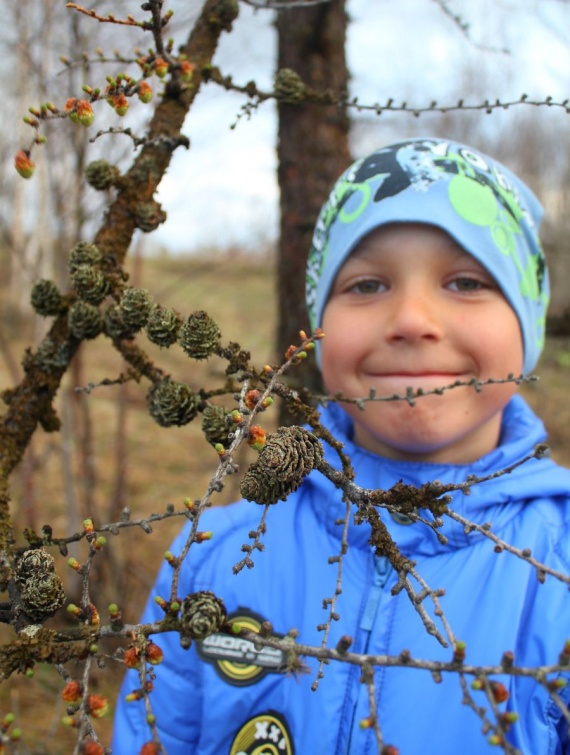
<point>426,269</point>
<point>418,234</point>
<point>410,308</point>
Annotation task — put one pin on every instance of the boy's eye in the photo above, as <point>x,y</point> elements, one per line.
<point>466,284</point>
<point>368,286</point>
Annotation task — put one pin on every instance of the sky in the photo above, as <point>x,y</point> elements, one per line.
<point>222,193</point>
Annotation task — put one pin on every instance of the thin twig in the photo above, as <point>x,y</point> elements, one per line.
<point>248,548</point>
<point>332,602</point>
<point>374,723</point>
<point>414,393</point>
<point>501,545</point>
<point>109,19</point>
<point>283,4</point>
<point>464,28</point>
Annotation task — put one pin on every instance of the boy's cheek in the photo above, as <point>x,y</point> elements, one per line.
<point>332,365</point>
<point>328,382</point>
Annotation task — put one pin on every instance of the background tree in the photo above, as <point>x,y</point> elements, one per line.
<point>312,148</point>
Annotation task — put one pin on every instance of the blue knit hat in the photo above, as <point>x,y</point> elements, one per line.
<point>489,212</point>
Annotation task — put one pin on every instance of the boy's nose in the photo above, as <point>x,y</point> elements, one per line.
<point>414,316</point>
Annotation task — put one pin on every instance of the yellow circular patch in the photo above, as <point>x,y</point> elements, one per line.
<point>266,734</point>
<point>242,673</point>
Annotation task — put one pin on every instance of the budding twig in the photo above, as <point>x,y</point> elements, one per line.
<point>331,603</point>
<point>414,393</point>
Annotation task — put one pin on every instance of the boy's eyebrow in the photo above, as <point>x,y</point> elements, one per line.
<point>365,246</point>
<point>460,254</point>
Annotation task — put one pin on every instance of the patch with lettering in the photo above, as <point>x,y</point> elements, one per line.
<point>266,734</point>
<point>239,661</point>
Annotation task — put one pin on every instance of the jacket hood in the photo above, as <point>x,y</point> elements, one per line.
<point>495,501</point>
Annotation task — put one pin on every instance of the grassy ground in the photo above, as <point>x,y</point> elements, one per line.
<point>163,466</point>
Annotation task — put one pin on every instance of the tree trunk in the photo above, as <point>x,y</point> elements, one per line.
<point>312,153</point>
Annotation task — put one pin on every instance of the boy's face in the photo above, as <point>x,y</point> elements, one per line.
<point>411,308</point>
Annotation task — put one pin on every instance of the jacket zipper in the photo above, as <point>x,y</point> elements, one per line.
<point>382,572</point>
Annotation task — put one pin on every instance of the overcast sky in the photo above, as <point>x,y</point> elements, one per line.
<point>223,192</point>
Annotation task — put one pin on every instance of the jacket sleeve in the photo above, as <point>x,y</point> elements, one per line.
<point>176,696</point>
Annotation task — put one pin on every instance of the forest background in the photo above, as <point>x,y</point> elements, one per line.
<point>109,454</point>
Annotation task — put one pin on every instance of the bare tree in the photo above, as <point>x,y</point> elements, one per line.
<point>312,149</point>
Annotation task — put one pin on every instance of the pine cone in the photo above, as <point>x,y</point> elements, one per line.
<point>148,216</point>
<point>135,307</point>
<point>83,253</point>
<point>284,461</point>
<point>288,87</point>
<point>225,13</point>
<point>90,284</point>
<point>201,614</point>
<point>214,425</point>
<point>199,336</point>
<point>172,403</point>
<point>101,175</point>
<point>162,326</point>
<point>45,298</point>
<point>41,590</point>
<point>84,320</point>
<point>115,326</point>
<point>50,355</point>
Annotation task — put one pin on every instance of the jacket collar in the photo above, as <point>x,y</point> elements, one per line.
<point>496,501</point>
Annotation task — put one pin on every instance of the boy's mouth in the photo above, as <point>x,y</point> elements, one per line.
<point>426,380</point>
<point>418,374</point>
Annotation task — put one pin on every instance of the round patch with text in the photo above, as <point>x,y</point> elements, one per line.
<point>265,734</point>
<point>238,661</point>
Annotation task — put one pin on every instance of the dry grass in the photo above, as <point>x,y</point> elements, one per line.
<point>165,465</point>
<point>550,397</point>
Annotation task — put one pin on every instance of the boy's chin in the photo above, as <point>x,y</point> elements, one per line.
<point>442,445</point>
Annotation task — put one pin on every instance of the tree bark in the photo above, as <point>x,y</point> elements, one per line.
<point>312,152</point>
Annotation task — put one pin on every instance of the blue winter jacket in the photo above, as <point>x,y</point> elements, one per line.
<point>225,696</point>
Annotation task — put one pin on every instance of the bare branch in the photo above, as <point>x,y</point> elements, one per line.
<point>464,27</point>
<point>283,4</point>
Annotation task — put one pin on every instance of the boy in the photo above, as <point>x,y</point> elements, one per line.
<point>426,269</point>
